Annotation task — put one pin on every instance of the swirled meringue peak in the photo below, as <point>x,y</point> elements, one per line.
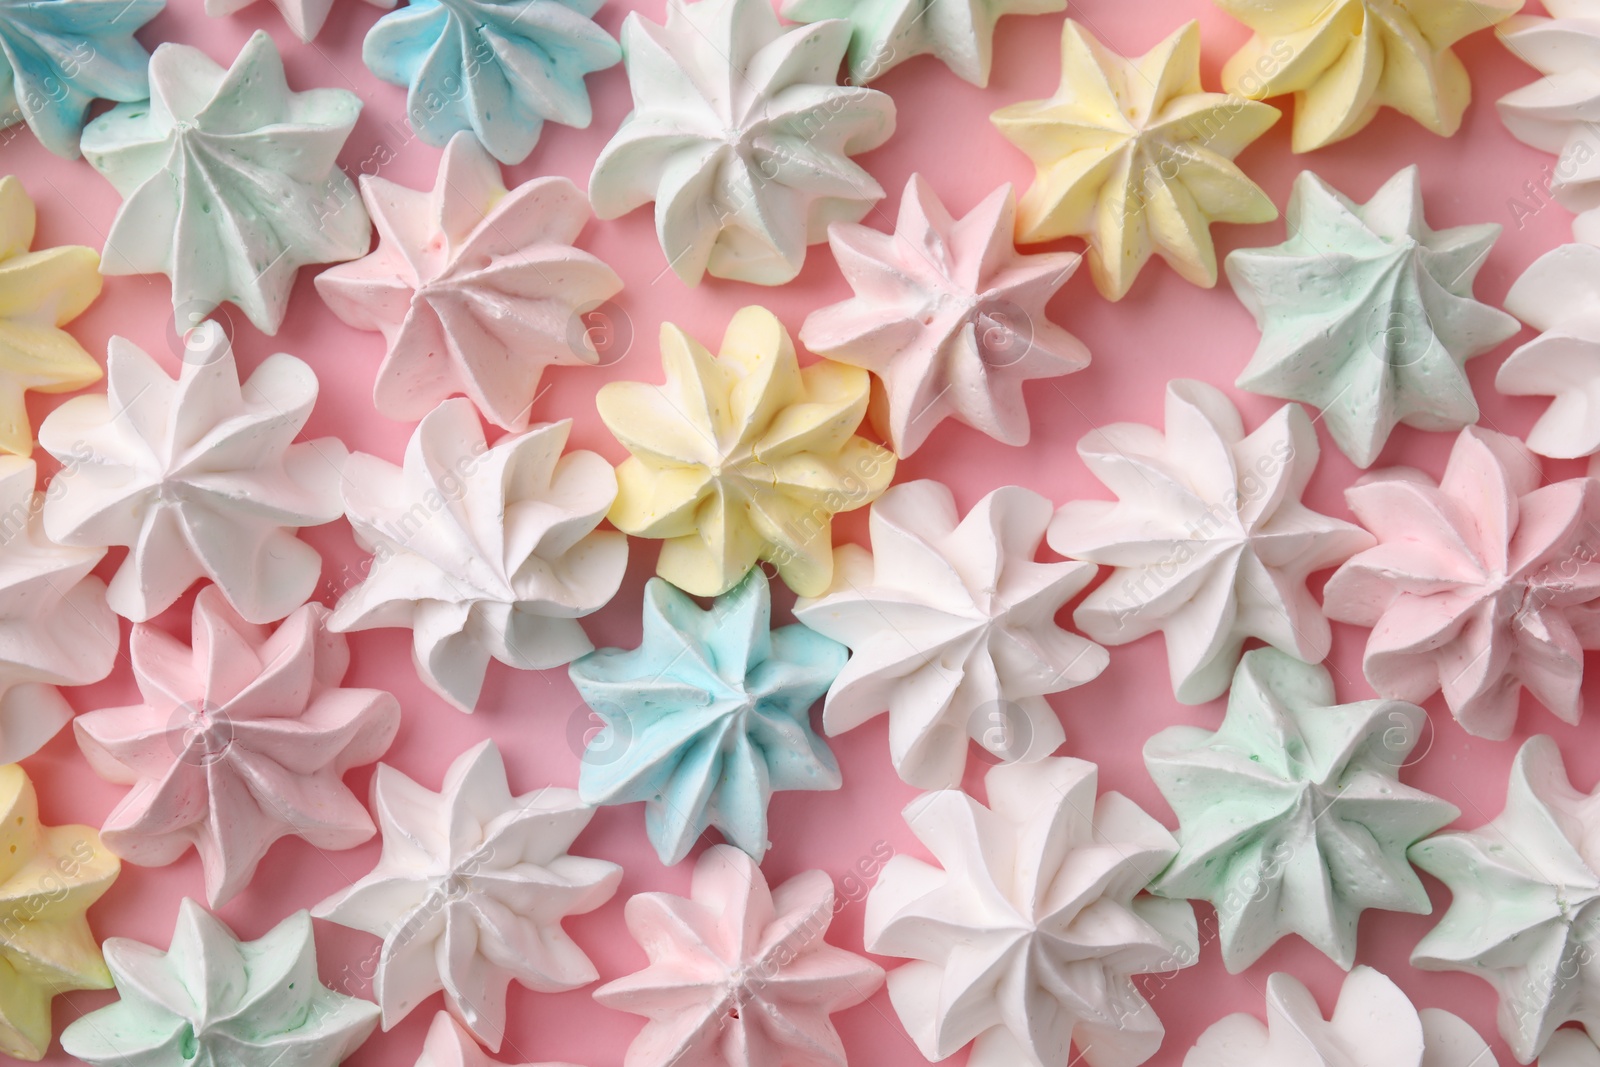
<point>484,553</point>
<point>1480,586</point>
<point>1559,295</point>
<point>1374,1024</point>
<point>1208,536</point>
<point>476,290</point>
<point>742,137</point>
<point>228,180</point>
<point>1027,935</point>
<point>497,68</point>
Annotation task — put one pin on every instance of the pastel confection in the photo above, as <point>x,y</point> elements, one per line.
<point>1027,940</point>
<point>1559,295</point>
<point>200,477</point>
<point>1134,157</point>
<point>948,316</point>
<point>1524,899</point>
<point>886,33</point>
<point>228,180</point>
<point>1292,818</point>
<point>447,1045</point>
<point>721,92</point>
<point>58,56</point>
<point>1368,314</point>
<point>484,553</point>
<point>951,627</point>
<point>1569,1047</point>
<point>1476,584</point>
<point>471,890</point>
<point>476,290</point>
<point>740,975</point>
<point>242,737</point>
<point>1345,59</point>
<point>49,876</point>
<point>1208,537</point>
<point>304,17</point>
<point>40,292</point>
<point>55,625</point>
<point>497,68</point>
<point>213,999</point>
<point>1373,1024</point>
<point>743,456</point>
<point>708,717</point>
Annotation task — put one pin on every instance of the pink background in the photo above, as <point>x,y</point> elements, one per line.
<point>1165,328</point>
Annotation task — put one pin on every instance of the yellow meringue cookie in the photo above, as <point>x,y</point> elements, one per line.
<point>39,293</point>
<point>1135,157</point>
<point>1345,59</point>
<point>742,456</point>
<point>49,875</point>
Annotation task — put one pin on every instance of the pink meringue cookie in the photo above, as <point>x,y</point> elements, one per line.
<point>1476,584</point>
<point>243,738</point>
<point>739,975</point>
<point>448,1045</point>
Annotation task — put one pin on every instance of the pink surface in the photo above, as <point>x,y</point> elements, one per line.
<point>1165,328</point>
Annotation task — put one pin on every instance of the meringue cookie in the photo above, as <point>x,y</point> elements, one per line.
<point>201,477</point>
<point>1524,902</point>
<point>484,553</point>
<point>1374,1024</point>
<point>55,625</point>
<point>1570,1047</point>
<point>49,876</point>
<point>1209,539</point>
<point>1368,314</point>
<point>739,974</point>
<point>1559,295</point>
<point>243,737</point>
<point>471,890</point>
<point>1291,817</point>
<point>304,17</point>
<point>948,315</point>
<point>447,1045</point>
<point>475,289</point>
<point>214,999</point>
<point>228,180</point>
<point>1028,940</point>
<point>499,68</point>
<point>741,137</point>
<point>951,626</point>
<point>708,717</point>
<point>1345,59</point>
<point>885,33</point>
<point>1473,584</point>
<point>58,57</point>
<point>1134,157</point>
<point>40,292</point>
<point>742,457</point>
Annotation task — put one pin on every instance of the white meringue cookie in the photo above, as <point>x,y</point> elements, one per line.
<point>1559,295</point>
<point>1570,1048</point>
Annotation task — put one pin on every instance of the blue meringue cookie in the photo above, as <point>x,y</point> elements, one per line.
<point>708,717</point>
<point>499,68</point>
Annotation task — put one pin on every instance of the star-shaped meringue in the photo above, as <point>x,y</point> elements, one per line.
<point>243,737</point>
<point>1208,536</point>
<point>228,180</point>
<point>742,137</point>
<point>948,315</point>
<point>1134,157</point>
<point>1345,59</point>
<point>1524,902</point>
<point>1027,941</point>
<point>471,890</point>
<point>484,553</point>
<point>200,477</point>
<point>447,1045</point>
<point>1570,1047</point>
<point>1368,314</point>
<point>40,292</point>
<point>951,627</point>
<point>742,456</point>
<point>708,717</point>
<point>303,17</point>
<point>49,876</point>
<point>476,290</point>
<point>740,975</point>
<point>212,999</point>
<point>1559,295</point>
<point>1291,817</point>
